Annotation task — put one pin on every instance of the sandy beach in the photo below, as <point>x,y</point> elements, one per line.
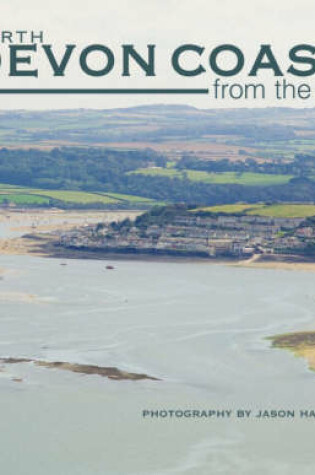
<point>296,266</point>
<point>259,262</point>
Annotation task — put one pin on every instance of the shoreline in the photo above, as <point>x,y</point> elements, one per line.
<point>44,245</point>
<point>32,233</point>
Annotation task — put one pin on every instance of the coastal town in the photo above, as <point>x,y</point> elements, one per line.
<point>178,231</point>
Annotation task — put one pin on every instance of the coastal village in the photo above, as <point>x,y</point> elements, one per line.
<point>184,233</point>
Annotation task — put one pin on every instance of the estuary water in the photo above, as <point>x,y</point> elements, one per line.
<point>198,327</point>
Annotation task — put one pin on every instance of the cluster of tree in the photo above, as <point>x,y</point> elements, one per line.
<point>71,167</point>
<point>186,191</point>
<point>301,166</point>
<point>100,169</point>
<point>161,215</point>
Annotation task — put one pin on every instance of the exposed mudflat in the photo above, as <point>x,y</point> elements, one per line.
<point>110,373</point>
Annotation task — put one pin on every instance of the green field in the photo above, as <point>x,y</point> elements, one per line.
<point>73,196</point>
<point>285,210</point>
<point>129,198</point>
<point>31,196</point>
<point>228,209</point>
<point>23,199</point>
<point>254,179</point>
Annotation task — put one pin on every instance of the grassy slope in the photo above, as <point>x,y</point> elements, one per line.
<point>285,211</point>
<point>274,211</point>
<point>20,195</point>
<point>23,199</point>
<point>254,179</point>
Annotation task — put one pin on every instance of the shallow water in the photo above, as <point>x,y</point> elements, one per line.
<point>199,327</point>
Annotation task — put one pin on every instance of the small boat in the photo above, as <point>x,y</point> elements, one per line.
<point>110,267</point>
<point>63,264</point>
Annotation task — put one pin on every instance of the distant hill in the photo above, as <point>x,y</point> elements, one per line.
<point>168,153</point>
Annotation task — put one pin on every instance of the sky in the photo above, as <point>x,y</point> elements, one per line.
<point>165,23</point>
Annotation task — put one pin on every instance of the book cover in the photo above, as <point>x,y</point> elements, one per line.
<point>157,237</point>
